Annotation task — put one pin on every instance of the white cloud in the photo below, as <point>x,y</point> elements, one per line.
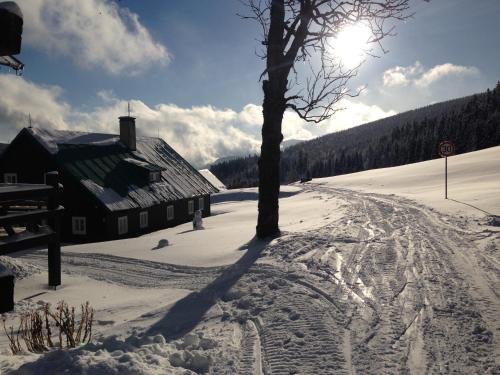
<point>293,126</point>
<point>201,134</point>
<point>94,33</point>
<point>26,98</point>
<point>441,71</point>
<point>353,114</point>
<point>394,77</point>
<point>418,76</point>
<point>107,96</point>
<point>401,75</point>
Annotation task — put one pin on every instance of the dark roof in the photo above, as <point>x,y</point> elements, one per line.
<point>112,172</point>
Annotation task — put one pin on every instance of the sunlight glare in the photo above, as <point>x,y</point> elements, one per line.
<point>351,44</point>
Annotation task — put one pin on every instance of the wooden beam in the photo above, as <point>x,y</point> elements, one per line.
<point>23,191</point>
<point>23,241</point>
<point>29,216</point>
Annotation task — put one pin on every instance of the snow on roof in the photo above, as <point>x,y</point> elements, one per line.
<point>142,164</point>
<point>107,196</point>
<point>51,138</point>
<point>103,165</point>
<point>212,179</point>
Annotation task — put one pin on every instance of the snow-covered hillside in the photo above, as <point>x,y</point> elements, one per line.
<point>375,273</point>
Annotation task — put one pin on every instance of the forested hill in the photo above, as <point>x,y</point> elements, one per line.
<point>472,123</point>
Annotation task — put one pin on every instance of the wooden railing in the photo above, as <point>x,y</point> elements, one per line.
<point>35,208</point>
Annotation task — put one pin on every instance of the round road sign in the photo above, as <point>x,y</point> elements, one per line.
<point>446,148</point>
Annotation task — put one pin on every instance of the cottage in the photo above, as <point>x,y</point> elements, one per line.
<point>115,186</point>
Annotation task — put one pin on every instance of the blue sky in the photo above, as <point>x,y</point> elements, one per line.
<point>190,70</point>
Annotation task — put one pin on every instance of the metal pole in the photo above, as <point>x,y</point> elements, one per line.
<point>446,177</point>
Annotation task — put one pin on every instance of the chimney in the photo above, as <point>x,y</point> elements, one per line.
<point>127,131</point>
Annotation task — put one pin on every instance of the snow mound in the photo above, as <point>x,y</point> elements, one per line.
<point>134,355</point>
<point>19,269</point>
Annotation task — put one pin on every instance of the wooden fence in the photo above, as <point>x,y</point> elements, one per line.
<point>35,209</point>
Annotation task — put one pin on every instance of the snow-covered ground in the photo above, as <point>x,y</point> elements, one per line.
<point>374,273</point>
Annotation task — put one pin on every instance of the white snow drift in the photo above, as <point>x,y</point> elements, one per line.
<point>374,272</point>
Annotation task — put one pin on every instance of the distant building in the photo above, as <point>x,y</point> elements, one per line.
<point>115,186</point>
<point>212,179</point>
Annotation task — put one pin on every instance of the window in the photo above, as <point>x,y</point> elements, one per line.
<point>79,225</point>
<point>201,204</point>
<point>143,219</point>
<point>154,176</point>
<point>170,212</point>
<point>190,207</point>
<point>122,224</point>
<point>10,178</point>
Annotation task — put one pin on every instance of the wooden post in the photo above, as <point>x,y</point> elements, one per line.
<point>7,288</point>
<point>54,247</point>
<point>446,177</point>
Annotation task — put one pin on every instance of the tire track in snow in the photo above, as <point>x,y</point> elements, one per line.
<point>130,272</point>
<point>299,335</point>
<point>251,360</point>
<point>445,315</point>
<point>415,309</point>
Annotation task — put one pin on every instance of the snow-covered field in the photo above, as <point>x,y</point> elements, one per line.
<point>375,273</point>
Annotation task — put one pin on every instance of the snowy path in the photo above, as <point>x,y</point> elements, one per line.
<point>131,272</point>
<point>392,287</point>
<point>418,294</point>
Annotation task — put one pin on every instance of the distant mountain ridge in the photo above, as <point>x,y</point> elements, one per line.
<point>285,144</point>
<point>291,142</point>
<point>472,122</point>
<point>225,159</point>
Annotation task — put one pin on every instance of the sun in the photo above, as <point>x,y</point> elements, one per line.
<point>351,44</point>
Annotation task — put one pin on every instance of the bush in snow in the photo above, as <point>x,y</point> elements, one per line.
<point>36,326</point>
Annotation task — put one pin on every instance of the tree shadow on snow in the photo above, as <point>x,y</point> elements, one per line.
<point>238,196</point>
<point>470,205</point>
<point>186,313</point>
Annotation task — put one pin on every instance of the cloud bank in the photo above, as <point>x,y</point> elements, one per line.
<point>441,71</point>
<point>94,33</point>
<point>201,134</point>
<point>417,75</point>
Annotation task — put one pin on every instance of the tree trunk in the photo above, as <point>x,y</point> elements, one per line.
<point>273,109</point>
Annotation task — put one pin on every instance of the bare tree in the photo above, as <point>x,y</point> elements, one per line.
<point>300,32</point>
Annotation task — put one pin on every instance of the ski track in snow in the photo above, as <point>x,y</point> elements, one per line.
<point>393,287</point>
<point>131,272</point>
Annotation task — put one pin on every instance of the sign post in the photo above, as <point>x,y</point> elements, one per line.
<point>446,148</point>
